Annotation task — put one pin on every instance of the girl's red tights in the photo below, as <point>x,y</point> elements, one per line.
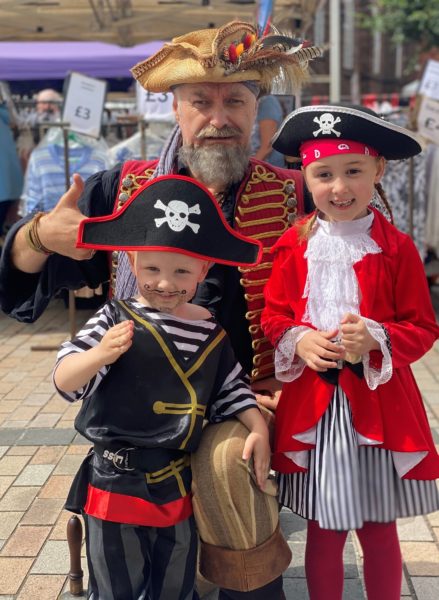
<point>382,561</point>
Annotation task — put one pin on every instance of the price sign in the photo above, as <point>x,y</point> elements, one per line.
<point>84,104</point>
<point>430,80</point>
<point>428,119</point>
<point>154,107</point>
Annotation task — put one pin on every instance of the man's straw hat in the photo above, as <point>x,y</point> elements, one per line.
<point>231,53</point>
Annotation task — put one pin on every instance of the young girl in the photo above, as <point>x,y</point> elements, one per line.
<point>348,310</point>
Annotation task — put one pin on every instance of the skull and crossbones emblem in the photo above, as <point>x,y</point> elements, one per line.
<point>326,124</point>
<point>177,215</point>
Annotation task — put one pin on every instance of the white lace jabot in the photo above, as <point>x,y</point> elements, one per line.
<point>332,286</point>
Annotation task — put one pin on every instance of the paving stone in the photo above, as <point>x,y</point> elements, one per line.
<point>5,483</point>
<point>46,437</point>
<point>7,423</point>
<point>53,558</point>
<point>80,439</point>
<point>421,558</point>
<point>55,405</point>
<point>8,522</point>
<point>48,455</point>
<point>3,450</point>
<point>24,412</point>
<point>26,541</point>
<point>426,588</point>
<point>13,465</point>
<point>36,400</point>
<point>22,450</point>
<point>34,475</point>
<point>414,529</point>
<point>45,420</point>
<point>58,486</point>
<point>42,587</point>
<point>68,465</point>
<point>18,498</point>
<point>63,424</point>
<point>43,511</point>
<point>12,573</point>
<point>81,449</point>
<point>8,437</point>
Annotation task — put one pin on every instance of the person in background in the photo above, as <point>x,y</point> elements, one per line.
<point>268,119</point>
<point>11,174</point>
<point>348,310</point>
<point>48,106</point>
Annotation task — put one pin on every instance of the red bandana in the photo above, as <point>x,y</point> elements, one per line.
<point>312,150</point>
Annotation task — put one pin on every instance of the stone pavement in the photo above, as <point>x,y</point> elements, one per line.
<point>40,453</point>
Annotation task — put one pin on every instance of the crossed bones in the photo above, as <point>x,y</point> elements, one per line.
<point>177,215</point>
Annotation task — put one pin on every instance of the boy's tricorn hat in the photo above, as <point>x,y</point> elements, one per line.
<point>231,53</point>
<point>172,213</point>
<point>355,123</point>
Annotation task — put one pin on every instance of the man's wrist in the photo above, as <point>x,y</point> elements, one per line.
<point>32,236</point>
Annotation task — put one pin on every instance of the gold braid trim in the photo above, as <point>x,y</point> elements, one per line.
<point>129,184</point>
<point>274,202</point>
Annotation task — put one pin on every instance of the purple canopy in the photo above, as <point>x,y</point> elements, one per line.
<point>20,61</point>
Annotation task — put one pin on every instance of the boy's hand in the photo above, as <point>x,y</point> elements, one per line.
<point>318,352</point>
<point>116,342</point>
<point>257,445</point>
<point>355,336</point>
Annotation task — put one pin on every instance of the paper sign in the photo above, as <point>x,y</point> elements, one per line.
<point>430,80</point>
<point>428,120</point>
<point>154,107</point>
<point>84,104</point>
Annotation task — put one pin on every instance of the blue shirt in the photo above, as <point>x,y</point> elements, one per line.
<point>269,108</point>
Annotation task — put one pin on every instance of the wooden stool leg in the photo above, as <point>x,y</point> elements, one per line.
<point>74,539</point>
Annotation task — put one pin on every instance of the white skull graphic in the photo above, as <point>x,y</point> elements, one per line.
<point>177,215</point>
<point>326,124</point>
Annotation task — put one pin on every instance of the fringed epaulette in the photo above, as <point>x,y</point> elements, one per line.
<point>268,205</point>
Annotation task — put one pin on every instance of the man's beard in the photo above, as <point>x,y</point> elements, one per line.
<point>216,165</point>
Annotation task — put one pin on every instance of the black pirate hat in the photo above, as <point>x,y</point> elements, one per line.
<point>355,123</point>
<point>171,213</point>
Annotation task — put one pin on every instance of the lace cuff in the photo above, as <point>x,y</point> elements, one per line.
<point>373,376</point>
<point>289,366</point>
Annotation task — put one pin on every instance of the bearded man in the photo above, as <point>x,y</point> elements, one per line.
<point>216,76</point>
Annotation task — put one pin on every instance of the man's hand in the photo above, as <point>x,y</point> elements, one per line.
<point>267,392</point>
<point>58,230</point>
<point>318,352</point>
<point>257,445</point>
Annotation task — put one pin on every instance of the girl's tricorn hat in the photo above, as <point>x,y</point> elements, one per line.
<point>231,53</point>
<point>171,213</point>
<point>356,123</point>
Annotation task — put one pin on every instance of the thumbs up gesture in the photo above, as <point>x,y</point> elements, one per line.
<point>58,230</point>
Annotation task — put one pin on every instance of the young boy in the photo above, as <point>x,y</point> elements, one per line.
<point>150,369</point>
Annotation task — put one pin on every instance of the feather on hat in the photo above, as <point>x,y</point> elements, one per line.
<point>231,53</point>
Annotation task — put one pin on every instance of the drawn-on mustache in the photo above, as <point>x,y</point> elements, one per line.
<point>212,132</point>
<point>147,288</point>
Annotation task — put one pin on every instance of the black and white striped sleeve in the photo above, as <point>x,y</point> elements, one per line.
<point>88,337</point>
<point>233,392</point>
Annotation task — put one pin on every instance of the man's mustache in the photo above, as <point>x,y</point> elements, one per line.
<point>213,132</point>
<point>148,288</point>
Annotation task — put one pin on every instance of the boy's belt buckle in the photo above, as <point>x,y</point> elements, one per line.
<point>121,461</point>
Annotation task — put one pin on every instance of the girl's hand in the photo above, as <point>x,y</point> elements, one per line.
<point>116,342</point>
<point>355,336</point>
<point>257,445</point>
<point>318,352</point>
